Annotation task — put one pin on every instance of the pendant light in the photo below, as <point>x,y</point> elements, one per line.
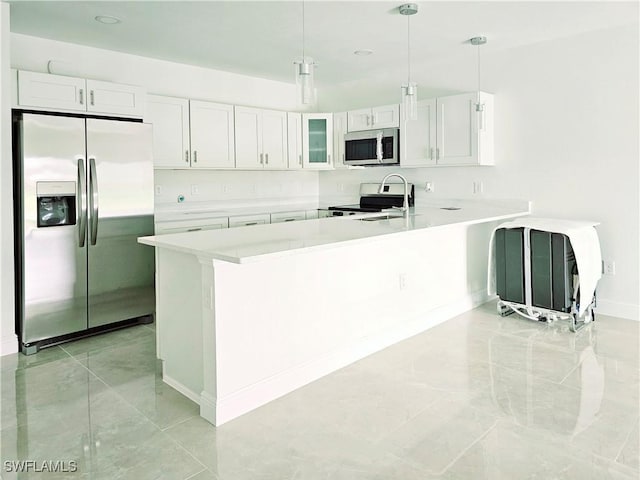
<point>304,73</point>
<point>479,41</point>
<point>410,89</point>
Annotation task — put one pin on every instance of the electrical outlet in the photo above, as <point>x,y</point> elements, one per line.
<point>158,189</point>
<point>429,187</point>
<point>609,267</point>
<point>195,190</point>
<point>402,281</point>
<point>477,187</point>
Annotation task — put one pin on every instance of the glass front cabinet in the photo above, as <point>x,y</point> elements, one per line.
<point>317,140</point>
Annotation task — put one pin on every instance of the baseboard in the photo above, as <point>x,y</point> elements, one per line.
<point>618,309</point>
<point>221,410</point>
<point>9,345</point>
<point>190,394</point>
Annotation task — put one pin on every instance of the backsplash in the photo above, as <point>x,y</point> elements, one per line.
<point>234,188</point>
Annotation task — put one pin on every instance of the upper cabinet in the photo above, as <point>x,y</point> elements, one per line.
<point>212,135</point>
<point>387,116</point>
<point>449,131</point>
<point>62,93</point>
<point>260,138</point>
<point>339,131</point>
<point>170,119</point>
<point>317,140</point>
<point>294,140</point>
<point>191,133</point>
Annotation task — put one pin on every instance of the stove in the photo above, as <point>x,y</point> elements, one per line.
<point>371,201</point>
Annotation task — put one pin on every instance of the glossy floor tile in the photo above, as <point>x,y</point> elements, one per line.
<point>478,397</point>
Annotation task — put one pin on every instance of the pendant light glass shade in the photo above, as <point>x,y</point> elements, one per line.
<point>410,89</point>
<point>478,41</point>
<point>410,100</point>
<point>304,81</point>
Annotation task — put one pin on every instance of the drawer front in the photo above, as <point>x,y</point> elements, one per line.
<point>281,217</point>
<point>248,220</point>
<point>191,226</point>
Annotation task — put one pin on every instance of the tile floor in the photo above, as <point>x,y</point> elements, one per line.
<point>478,397</point>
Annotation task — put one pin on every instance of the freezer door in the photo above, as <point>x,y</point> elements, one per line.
<point>120,183</point>
<point>52,268</point>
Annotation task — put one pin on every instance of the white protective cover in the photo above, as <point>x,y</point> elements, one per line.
<point>586,247</point>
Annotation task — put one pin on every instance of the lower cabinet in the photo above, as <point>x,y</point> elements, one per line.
<point>246,220</point>
<point>164,228</point>
<point>282,217</point>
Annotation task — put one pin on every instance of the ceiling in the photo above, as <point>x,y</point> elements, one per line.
<point>263,38</point>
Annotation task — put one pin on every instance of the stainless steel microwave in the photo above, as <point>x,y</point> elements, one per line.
<point>372,147</point>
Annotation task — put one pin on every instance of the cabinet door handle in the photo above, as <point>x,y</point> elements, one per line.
<point>92,98</point>
<point>431,153</point>
<point>186,156</point>
<point>289,219</point>
<point>195,156</point>
<point>261,159</point>
<point>250,223</point>
<point>81,95</point>
<point>300,159</point>
<point>329,159</point>
<point>368,120</point>
<point>194,229</point>
<point>266,158</point>
<point>437,153</point>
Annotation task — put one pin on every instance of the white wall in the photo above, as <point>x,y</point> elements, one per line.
<point>567,137</point>
<point>7,337</point>
<point>230,188</point>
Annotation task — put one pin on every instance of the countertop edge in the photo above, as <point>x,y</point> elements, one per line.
<point>156,241</point>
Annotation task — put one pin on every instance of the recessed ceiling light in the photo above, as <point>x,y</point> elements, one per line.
<point>363,52</point>
<point>108,19</point>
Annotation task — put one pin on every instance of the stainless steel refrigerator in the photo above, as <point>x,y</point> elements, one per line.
<point>83,194</point>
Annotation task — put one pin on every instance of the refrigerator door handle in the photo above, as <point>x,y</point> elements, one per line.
<point>93,200</point>
<point>82,203</point>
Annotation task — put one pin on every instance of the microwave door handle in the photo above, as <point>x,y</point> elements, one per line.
<point>379,147</point>
<point>93,200</point>
<point>82,203</point>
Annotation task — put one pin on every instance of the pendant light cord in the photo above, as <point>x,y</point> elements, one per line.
<point>303,58</point>
<point>409,51</point>
<point>478,55</point>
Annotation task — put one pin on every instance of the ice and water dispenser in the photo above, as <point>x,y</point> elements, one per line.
<point>56,203</point>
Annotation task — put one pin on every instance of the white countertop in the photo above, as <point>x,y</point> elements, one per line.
<point>261,242</point>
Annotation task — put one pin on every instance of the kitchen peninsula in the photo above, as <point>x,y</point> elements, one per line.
<point>249,314</point>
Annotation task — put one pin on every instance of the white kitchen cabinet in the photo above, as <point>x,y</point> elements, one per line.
<point>386,116</point>
<point>311,214</point>
<point>449,131</point>
<point>246,220</point>
<point>170,119</point>
<point>261,138</point>
<point>191,133</point>
<point>339,131</point>
<point>212,135</point>
<point>418,137</point>
<point>114,98</point>
<point>62,93</point>
<point>293,216</point>
<point>294,140</point>
<point>163,228</point>
<point>317,140</point>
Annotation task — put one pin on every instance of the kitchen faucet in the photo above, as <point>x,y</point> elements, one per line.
<point>405,204</point>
